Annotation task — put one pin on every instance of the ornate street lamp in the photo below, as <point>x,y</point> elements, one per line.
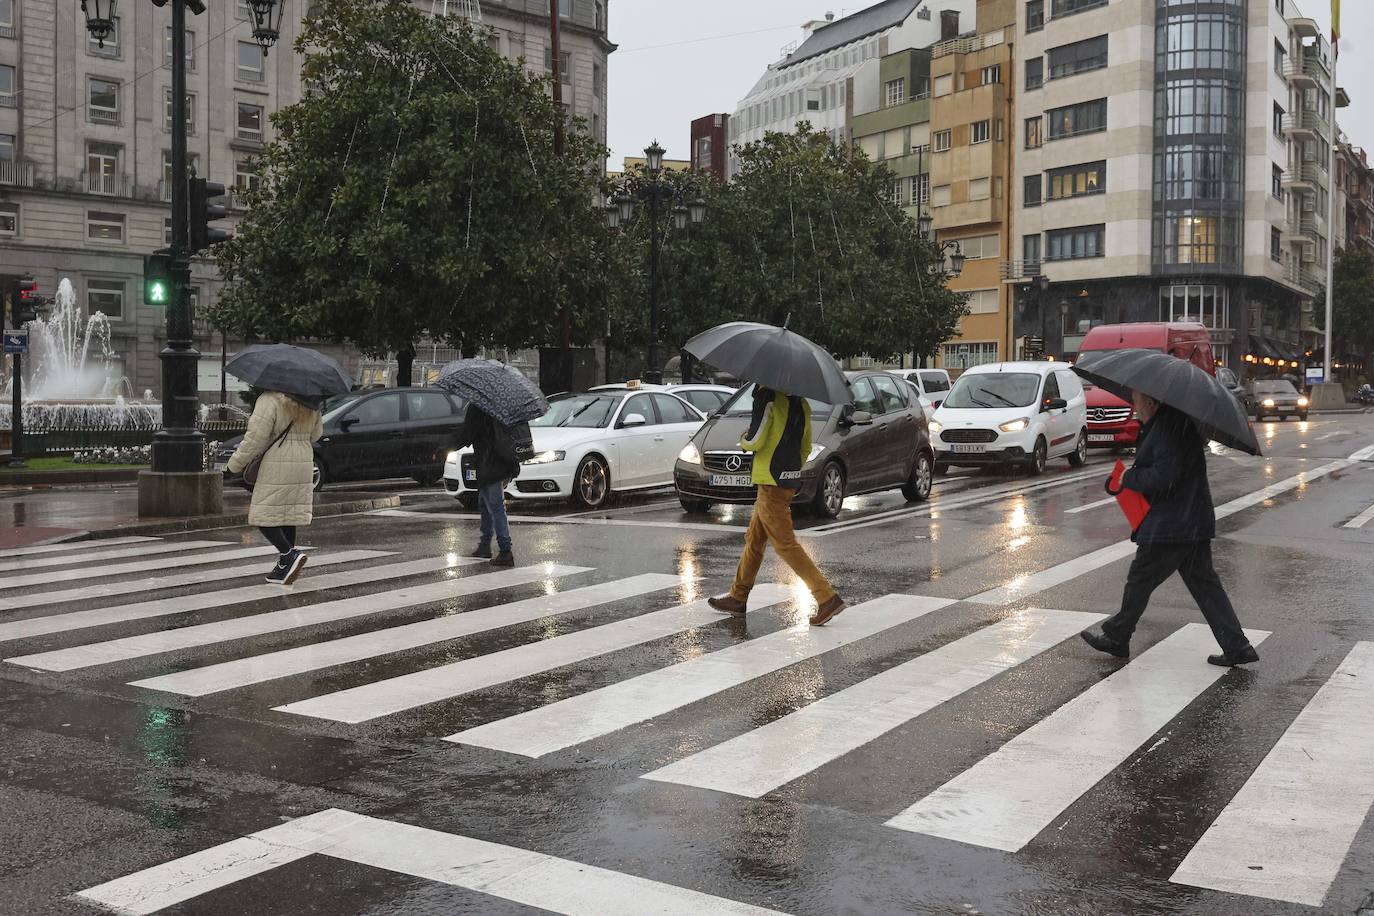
<point>653,153</point>
<point>680,215</point>
<point>100,19</point>
<point>612,216</point>
<point>625,204</point>
<point>267,16</point>
<point>697,209</point>
<point>956,259</point>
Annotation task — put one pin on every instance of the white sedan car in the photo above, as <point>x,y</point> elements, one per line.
<point>591,445</point>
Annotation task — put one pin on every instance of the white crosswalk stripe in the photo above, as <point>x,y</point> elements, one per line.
<point>274,665</point>
<point>1287,832</point>
<point>76,546</point>
<point>591,715</point>
<point>393,695</point>
<point>207,634</point>
<point>203,558</point>
<point>1006,799</point>
<point>96,553</point>
<point>760,761</point>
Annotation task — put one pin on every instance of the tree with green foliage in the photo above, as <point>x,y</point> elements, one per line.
<point>1352,302</point>
<point>414,193</point>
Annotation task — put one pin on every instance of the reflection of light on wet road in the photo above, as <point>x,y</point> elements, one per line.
<point>689,571</point>
<point>1018,515</point>
<point>1018,542</point>
<point>803,604</point>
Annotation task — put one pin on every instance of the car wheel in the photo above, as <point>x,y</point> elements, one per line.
<point>467,501</point>
<point>429,479</point>
<point>917,487</point>
<point>830,491</point>
<point>318,476</point>
<point>941,469</point>
<point>694,506</point>
<point>1080,453</point>
<point>592,485</point>
<point>1036,464</point>
<point>1302,417</point>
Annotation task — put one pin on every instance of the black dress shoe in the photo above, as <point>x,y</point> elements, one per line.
<point>1104,643</point>
<point>1231,659</point>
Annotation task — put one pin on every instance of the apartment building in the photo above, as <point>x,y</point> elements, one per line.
<point>711,144</point>
<point>85,138</point>
<point>1171,165</point>
<point>1354,225</point>
<point>814,81</point>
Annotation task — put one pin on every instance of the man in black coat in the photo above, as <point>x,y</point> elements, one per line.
<point>1176,535</point>
<point>495,469</point>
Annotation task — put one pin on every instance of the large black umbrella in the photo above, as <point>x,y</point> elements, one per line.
<point>774,358</point>
<point>498,390</point>
<point>291,370</point>
<point>1175,382</point>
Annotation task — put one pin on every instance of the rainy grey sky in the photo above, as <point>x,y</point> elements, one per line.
<point>680,63</point>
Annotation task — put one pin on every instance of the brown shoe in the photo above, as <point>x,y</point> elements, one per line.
<point>827,611</point>
<point>728,604</point>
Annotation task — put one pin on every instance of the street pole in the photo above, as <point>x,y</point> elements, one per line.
<point>653,373</point>
<point>1327,375</point>
<point>555,62</point>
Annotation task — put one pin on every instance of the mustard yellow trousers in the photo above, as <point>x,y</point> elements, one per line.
<point>772,524</point>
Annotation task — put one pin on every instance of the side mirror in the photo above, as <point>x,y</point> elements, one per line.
<point>348,423</point>
<point>860,418</point>
<point>1055,404</point>
<point>632,419</point>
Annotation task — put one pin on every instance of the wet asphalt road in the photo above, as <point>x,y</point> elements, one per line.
<point>103,778</point>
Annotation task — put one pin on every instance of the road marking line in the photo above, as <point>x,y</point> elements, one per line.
<point>1343,432</point>
<point>119,569</point>
<point>181,604</point>
<point>759,761</point>
<point>68,546</point>
<point>1286,833</point>
<point>316,656</point>
<point>1007,798</point>
<point>104,556</point>
<point>565,520</point>
<point>1090,506</point>
<point>397,694</point>
<point>534,879</point>
<point>1361,520</point>
<point>208,634</point>
<point>592,715</point>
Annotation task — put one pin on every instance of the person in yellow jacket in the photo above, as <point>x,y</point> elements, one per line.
<point>780,437</point>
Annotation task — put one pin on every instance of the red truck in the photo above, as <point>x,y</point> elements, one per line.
<point>1111,422</point>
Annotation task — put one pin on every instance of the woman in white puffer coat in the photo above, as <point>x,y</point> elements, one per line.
<point>283,430</point>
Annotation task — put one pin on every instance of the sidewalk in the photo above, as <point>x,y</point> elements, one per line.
<point>29,517</point>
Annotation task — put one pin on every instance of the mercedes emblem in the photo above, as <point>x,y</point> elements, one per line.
<point>734,463</point>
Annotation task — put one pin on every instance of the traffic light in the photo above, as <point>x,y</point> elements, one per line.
<point>25,300</point>
<point>204,212</point>
<point>157,278</point>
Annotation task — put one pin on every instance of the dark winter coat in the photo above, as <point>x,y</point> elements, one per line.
<point>480,432</point>
<point>1171,472</point>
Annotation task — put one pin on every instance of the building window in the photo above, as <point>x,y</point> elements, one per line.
<point>105,296</point>
<point>8,99</point>
<point>111,42</point>
<point>1202,106</point>
<point>248,126</point>
<point>252,61</point>
<point>922,193</point>
<point>1278,120</point>
<point>167,111</point>
<point>944,85</point>
<point>103,97</point>
<point>982,301</point>
<point>980,132</point>
<point>564,65</point>
<point>899,192</point>
<point>105,227</point>
<point>1034,133</point>
<point>1030,249</point>
<point>1035,15</point>
<point>979,189</point>
<point>1280,55</point>
<point>9,219</point>
<point>980,247</point>
<point>992,75</point>
<point>167,49</point>
<point>565,8</point>
<point>968,355</point>
<point>1073,120</point>
<point>1079,57</point>
<point>1077,180</point>
<point>246,177</point>
<point>1035,73</point>
<point>1275,245</point>
<point>942,141</point>
<point>1276,183</point>
<point>1202,41</point>
<point>939,195</point>
<point>242,11</point>
<point>1078,242</point>
<point>1033,189</point>
<point>600,19</point>
<point>1202,171</point>
<point>1194,239</point>
<point>166,230</point>
<point>102,168</point>
<point>7,17</point>
<point>895,92</point>
<point>192,169</point>
<point>1069,7</point>
<point>598,81</point>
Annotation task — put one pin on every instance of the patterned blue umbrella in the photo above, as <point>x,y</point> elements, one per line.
<point>498,390</point>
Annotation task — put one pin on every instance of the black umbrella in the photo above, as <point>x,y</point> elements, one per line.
<point>774,358</point>
<point>1175,382</point>
<point>498,390</point>
<point>291,370</point>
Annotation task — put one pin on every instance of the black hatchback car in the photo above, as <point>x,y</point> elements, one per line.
<point>880,443</point>
<point>378,435</point>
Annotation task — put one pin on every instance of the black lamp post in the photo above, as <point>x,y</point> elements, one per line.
<point>658,194</point>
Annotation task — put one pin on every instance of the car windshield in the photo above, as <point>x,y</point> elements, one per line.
<point>1275,388</point>
<point>333,407</point>
<point>583,411</point>
<point>742,404</point>
<point>994,389</point>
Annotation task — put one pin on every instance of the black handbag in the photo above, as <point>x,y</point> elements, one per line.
<point>249,478</point>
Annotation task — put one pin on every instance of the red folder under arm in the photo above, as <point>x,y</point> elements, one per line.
<point>1132,504</point>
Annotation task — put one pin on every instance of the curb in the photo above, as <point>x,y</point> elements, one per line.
<point>22,478</point>
<point>210,522</point>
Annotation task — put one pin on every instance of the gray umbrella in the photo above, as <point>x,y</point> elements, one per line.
<point>291,370</point>
<point>1175,382</point>
<point>774,358</point>
<point>498,390</point>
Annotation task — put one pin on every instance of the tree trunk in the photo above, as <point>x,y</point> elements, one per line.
<point>405,361</point>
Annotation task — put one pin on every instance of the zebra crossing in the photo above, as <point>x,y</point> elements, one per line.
<point>1298,814</point>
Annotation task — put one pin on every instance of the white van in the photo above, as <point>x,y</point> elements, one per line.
<point>1020,414</point>
<point>931,384</point>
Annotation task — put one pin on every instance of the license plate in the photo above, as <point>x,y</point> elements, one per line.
<point>968,449</point>
<point>221,465</point>
<point>470,475</point>
<point>1101,437</point>
<point>731,480</point>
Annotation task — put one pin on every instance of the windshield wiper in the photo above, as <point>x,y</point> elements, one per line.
<point>980,403</point>
<point>994,394</point>
<point>580,411</point>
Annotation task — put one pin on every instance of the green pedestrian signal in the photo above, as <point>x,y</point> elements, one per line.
<point>157,279</point>
<point>157,293</point>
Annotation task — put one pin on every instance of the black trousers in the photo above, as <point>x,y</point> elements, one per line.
<point>283,538</point>
<point>1154,563</point>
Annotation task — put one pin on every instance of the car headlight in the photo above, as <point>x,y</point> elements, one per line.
<point>1302,402</point>
<point>1268,402</point>
<point>452,458</point>
<point>690,454</point>
<point>545,458</point>
<point>935,426</point>
<point>1014,426</point>
<point>816,451</point>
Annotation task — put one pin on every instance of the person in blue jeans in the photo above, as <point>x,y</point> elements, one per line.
<point>494,473</point>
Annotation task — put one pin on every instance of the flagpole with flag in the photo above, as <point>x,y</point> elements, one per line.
<point>1328,375</point>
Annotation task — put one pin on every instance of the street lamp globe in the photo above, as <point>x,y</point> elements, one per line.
<point>697,209</point>
<point>612,216</point>
<point>956,262</point>
<point>267,16</point>
<point>653,153</point>
<point>923,225</point>
<point>100,19</point>
<point>626,205</point>
<point>680,216</point>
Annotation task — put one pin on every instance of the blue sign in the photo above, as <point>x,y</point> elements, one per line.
<point>17,341</point>
<point>1315,375</point>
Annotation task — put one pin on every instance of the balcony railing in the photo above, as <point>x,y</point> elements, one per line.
<point>17,172</point>
<point>164,189</point>
<point>969,44</point>
<point>111,185</point>
<point>1303,276</point>
<point>9,100</point>
<point>103,115</point>
<point>1306,68</point>
<point>1306,122</point>
<point>1020,270</point>
<point>1304,173</point>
